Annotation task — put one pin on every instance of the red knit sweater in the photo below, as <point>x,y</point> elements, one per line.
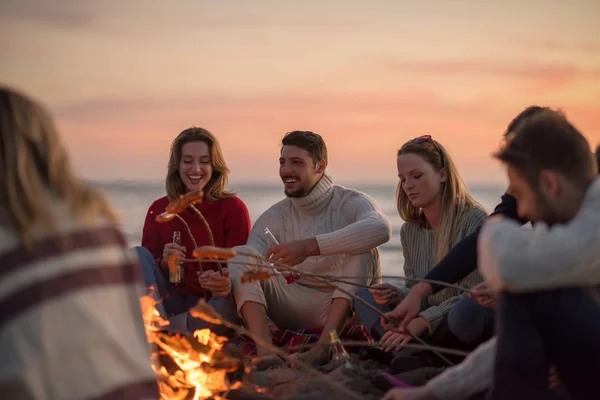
<point>229,221</point>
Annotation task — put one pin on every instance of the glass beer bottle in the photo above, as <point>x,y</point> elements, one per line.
<point>176,275</point>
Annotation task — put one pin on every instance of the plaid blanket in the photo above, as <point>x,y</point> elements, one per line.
<point>287,338</point>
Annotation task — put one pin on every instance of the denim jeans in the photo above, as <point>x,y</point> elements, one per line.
<point>471,322</point>
<point>173,306</point>
<point>537,329</point>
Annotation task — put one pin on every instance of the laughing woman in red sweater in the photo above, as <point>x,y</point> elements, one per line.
<point>196,163</point>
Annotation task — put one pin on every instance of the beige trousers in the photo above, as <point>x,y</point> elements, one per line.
<point>303,304</point>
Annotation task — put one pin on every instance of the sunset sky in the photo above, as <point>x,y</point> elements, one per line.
<point>123,78</point>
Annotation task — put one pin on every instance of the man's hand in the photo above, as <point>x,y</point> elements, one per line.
<point>420,393</point>
<point>393,340</point>
<point>294,252</point>
<point>410,307</point>
<point>484,294</point>
<point>385,293</point>
<point>218,285</point>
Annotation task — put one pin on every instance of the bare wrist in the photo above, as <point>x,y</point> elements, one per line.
<point>422,289</point>
<point>312,247</point>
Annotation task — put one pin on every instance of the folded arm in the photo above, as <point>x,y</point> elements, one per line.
<point>514,259</point>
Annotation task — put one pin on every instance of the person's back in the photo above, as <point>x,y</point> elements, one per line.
<point>70,317</point>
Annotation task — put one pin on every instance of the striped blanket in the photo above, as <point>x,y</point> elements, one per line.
<point>287,339</point>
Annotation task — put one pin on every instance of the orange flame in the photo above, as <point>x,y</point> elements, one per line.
<point>195,367</point>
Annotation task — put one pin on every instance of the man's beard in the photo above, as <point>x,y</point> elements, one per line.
<point>300,192</point>
<point>546,212</point>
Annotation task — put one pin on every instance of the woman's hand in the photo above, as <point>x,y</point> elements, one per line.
<point>168,250</point>
<point>385,293</point>
<point>409,308</point>
<point>394,340</point>
<point>219,286</point>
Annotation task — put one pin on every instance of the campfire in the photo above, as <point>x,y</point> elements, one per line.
<point>189,367</point>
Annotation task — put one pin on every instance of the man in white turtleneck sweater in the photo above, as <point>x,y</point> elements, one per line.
<point>322,228</point>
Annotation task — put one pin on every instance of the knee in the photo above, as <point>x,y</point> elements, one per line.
<point>365,295</point>
<point>468,320</point>
<point>225,307</point>
<point>147,264</point>
<point>240,263</point>
<point>143,254</point>
<point>363,264</point>
<point>466,310</point>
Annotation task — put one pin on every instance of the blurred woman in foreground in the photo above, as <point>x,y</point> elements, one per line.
<point>70,318</point>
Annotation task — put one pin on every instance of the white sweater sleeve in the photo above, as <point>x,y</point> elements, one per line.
<point>474,375</point>
<point>368,228</point>
<point>516,259</point>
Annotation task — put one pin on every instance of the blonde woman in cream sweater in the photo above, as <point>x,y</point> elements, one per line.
<point>322,228</point>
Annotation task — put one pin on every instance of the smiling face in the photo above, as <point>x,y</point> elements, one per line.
<point>195,167</point>
<point>420,181</point>
<point>298,171</point>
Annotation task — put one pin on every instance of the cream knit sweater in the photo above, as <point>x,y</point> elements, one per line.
<point>344,221</point>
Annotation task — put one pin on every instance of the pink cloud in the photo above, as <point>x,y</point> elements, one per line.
<point>540,77</point>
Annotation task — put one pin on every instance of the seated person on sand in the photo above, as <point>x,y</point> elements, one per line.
<point>322,228</point>
<point>196,162</point>
<point>438,211</point>
<point>469,323</point>
<point>547,278</point>
<point>70,320</point>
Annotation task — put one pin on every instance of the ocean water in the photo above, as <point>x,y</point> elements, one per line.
<point>132,199</point>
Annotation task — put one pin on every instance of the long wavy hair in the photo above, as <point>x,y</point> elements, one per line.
<point>455,196</point>
<point>34,165</point>
<point>215,188</point>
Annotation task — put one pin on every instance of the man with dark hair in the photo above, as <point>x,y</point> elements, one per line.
<point>547,278</point>
<point>548,306</point>
<point>321,228</point>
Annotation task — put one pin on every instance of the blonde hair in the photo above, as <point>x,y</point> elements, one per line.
<point>455,196</point>
<point>33,165</point>
<point>215,188</point>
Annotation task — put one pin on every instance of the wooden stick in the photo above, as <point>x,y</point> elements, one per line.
<point>188,230</point>
<point>360,343</point>
<point>341,279</point>
<point>210,234</point>
<point>352,295</point>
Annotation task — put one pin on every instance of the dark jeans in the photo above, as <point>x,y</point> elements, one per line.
<point>369,318</point>
<point>471,322</point>
<point>559,327</point>
<point>174,307</point>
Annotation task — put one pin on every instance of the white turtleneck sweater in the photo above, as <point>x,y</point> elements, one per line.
<point>344,221</point>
